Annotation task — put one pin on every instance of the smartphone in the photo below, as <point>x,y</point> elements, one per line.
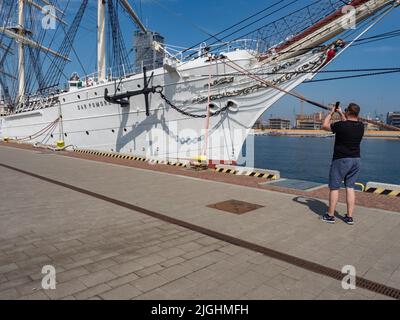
<point>337,105</point>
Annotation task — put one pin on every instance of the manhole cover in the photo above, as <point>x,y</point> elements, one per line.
<point>235,206</point>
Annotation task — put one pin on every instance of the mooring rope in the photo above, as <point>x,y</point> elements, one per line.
<point>40,132</point>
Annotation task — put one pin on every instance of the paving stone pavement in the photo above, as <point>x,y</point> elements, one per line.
<point>103,251</point>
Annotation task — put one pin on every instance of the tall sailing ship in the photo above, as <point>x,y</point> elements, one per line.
<point>170,104</point>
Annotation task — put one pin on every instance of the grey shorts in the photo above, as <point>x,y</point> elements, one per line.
<point>347,170</point>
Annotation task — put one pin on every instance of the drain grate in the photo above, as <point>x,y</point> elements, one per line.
<point>299,262</point>
<point>235,206</point>
<point>295,184</point>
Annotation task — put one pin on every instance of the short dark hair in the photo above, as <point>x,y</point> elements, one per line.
<point>353,109</point>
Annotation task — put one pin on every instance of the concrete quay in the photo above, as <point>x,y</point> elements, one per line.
<point>114,231</point>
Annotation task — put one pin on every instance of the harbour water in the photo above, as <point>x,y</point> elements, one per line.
<point>310,158</point>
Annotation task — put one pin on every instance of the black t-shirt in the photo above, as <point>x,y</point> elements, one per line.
<point>348,138</point>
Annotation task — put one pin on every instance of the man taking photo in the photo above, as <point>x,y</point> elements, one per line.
<point>346,158</point>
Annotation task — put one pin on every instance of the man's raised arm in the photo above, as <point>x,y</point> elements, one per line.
<point>326,125</point>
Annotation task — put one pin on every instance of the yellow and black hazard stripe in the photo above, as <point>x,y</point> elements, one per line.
<point>262,175</point>
<point>110,155</point>
<point>176,164</point>
<point>385,192</point>
<point>225,170</point>
<point>250,174</point>
<point>127,157</point>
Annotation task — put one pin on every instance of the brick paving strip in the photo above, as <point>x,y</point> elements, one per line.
<point>368,200</point>
<point>298,262</point>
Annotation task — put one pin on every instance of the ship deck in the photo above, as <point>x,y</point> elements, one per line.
<point>122,229</point>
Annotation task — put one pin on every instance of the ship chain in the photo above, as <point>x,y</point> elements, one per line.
<point>213,114</point>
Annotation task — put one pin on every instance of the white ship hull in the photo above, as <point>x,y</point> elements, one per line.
<point>89,122</point>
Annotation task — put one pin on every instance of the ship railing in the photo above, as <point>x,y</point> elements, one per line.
<point>185,54</point>
<point>171,52</point>
<point>112,74</point>
<point>117,73</point>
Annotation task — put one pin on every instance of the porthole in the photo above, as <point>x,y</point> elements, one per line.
<point>78,96</point>
<point>51,136</point>
<point>101,103</point>
<point>95,93</point>
<point>138,85</point>
<point>125,130</point>
<point>112,130</point>
<point>87,132</point>
<point>79,108</point>
<point>65,134</point>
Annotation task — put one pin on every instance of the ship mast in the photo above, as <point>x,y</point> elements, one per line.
<point>19,34</point>
<point>21,53</point>
<point>101,40</point>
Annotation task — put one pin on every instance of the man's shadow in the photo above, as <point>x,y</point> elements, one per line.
<point>316,206</point>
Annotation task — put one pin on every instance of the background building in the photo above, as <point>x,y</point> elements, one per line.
<point>279,124</point>
<point>393,119</point>
<point>260,124</point>
<point>145,53</point>
<point>372,127</point>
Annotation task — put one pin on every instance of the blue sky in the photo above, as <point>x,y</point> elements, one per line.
<point>181,22</point>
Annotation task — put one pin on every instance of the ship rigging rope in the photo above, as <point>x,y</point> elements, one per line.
<point>297,95</point>
<point>372,70</point>
<point>354,76</point>
<point>240,22</point>
<point>269,84</point>
<point>220,40</point>
<point>358,42</point>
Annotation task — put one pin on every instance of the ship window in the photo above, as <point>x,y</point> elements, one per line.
<point>112,130</point>
<point>97,104</point>
<point>65,134</point>
<point>85,105</point>
<point>95,93</point>
<point>79,108</point>
<point>79,96</point>
<point>64,99</point>
<point>125,129</point>
<point>87,132</point>
<point>90,105</point>
<point>101,103</point>
<point>51,135</point>
<point>138,85</point>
